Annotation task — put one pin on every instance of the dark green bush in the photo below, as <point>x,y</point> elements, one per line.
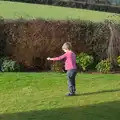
<point>104,66</point>
<point>84,60</point>
<point>10,66</point>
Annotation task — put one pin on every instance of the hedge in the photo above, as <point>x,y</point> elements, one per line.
<point>31,42</point>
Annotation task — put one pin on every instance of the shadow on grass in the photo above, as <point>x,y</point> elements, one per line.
<point>103,111</point>
<point>98,92</point>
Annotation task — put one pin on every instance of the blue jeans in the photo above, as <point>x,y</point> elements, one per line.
<point>71,74</point>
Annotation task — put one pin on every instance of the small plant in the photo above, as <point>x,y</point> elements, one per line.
<point>118,60</point>
<point>84,60</point>
<point>57,66</point>
<point>104,66</point>
<point>3,59</point>
<point>10,66</point>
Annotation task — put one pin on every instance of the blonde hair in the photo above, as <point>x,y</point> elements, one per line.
<point>67,46</point>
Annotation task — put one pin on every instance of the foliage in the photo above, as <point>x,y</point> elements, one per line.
<point>9,66</point>
<point>84,60</point>
<point>104,66</point>
<point>118,60</point>
<point>2,59</point>
<point>57,66</point>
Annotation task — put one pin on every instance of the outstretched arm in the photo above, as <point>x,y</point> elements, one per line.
<point>57,58</point>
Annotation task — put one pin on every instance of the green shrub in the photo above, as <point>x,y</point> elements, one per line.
<point>118,60</point>
<point>10,66</point>
<point>2,60</point>
<point>84,60</point>
<point>57,66</point>
<point>104,66</point>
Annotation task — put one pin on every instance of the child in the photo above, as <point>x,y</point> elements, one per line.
<point>70,66</point>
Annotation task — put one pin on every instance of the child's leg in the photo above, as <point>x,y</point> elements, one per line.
<point>71,80</point>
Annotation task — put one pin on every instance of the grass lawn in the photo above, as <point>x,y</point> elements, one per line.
<point>40,96</point>
<point>14,10</point>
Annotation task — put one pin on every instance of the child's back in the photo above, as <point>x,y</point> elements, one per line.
<point>70,60</point>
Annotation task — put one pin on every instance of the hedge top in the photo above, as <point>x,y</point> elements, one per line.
<point>15,10</point>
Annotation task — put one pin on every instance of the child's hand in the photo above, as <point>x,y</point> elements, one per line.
<point>48,58</point>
